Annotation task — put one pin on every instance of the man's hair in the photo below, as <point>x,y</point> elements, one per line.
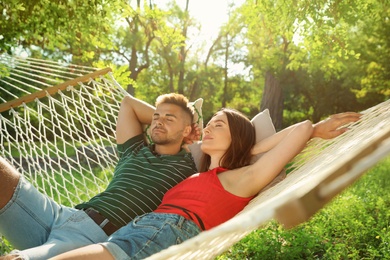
<point>178,100</point>
<point>243,138</point>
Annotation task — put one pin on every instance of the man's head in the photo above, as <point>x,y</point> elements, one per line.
<point>172,120</point>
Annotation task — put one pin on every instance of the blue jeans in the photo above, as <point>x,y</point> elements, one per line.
<point>149,234</point>
<point>41,228</point>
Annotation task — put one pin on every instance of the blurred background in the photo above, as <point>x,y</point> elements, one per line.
<point>301,59</point>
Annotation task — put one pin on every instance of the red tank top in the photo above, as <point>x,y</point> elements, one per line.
<point>203,195</point>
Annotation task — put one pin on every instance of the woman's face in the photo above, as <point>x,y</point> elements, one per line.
<point>216,135</point>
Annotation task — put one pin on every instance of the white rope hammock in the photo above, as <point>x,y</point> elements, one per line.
<point>60,136</point>
<point>70,156</point>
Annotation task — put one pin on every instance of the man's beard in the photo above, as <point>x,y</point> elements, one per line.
<point>166,139</point>
<point>161,141</point>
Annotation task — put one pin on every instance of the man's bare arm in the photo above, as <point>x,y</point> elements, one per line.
<point>132,115</point>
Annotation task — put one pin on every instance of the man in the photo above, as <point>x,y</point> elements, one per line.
<point>41,228</point>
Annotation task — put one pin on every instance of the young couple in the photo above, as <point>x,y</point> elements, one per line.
<point>107,226</point>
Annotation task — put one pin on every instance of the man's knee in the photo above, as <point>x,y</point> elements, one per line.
<point>11,257</point>
<point>9,179</point>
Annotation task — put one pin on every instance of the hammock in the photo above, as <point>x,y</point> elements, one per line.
<point>60,135</point>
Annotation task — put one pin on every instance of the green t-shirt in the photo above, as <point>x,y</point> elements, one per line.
<point>140,181</point>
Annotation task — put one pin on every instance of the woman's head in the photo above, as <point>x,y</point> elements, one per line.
<point>234,139</point>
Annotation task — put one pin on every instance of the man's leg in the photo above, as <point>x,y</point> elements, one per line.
<point>37,225</point>
<point>25,215</point>
<point>67,234</point>
<point>9,179</point>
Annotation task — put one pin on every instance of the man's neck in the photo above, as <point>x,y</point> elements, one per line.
<point>165,149</point>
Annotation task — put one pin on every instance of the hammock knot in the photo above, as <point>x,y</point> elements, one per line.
<point>13,112</point>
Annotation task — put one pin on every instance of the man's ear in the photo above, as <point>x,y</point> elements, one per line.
<point>187,131</point>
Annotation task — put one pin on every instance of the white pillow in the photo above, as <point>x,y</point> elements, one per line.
<point>263,128</point>
<point>198,119</point>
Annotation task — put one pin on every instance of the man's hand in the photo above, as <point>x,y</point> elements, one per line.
<point>193,136</point>
<point>332,126</point>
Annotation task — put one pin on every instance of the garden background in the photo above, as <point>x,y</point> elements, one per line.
<point>301,59</point>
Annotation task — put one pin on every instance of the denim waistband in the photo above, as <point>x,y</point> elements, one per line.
<point>172,218</point>
<point>190,214</point>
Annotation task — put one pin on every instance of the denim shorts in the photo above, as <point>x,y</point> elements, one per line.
<point>41,228</point>
<point>149,234</point>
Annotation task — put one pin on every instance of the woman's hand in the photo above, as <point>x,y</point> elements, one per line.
<point>332,126</point>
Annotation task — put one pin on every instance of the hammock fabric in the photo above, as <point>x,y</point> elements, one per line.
<point>320,172</point>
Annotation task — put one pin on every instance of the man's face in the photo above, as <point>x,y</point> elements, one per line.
<point>168,124</point>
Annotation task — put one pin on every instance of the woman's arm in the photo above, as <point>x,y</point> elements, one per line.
<point>325,129</point>
<point>282,149</point>
<point>283,146</point>
<point>271,141</point>
<point>92,252</point>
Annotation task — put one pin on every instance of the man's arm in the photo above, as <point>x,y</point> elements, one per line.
<point>132,115</point>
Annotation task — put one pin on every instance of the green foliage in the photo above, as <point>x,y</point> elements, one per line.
<point>57,28</point>
<point>355,225</point>
<point>325,54</point>
<point>4,70</point>
<point>328,56</point>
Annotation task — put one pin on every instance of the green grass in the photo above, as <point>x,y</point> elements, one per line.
<point>355,225</point>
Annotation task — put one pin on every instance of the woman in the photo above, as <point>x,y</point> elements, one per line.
<point>208,199</point>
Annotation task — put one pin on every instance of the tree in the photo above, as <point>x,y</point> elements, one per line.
<point>137,30</point>
<point>57,28</point>
<point>312,38</point>
<point>370,78</point>
<point>293,53</point>
<point>270,26</point>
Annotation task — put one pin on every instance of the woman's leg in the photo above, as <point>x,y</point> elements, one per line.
<point>92,252</point>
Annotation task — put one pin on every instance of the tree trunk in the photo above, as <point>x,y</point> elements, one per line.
<point>183,53</point>
<point>225,81</point>
<point>273,99</point>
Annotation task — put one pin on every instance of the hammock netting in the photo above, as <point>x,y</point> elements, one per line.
<point>57,127</point>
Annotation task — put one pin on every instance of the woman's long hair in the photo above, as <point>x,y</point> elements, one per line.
<point>243,138</point>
